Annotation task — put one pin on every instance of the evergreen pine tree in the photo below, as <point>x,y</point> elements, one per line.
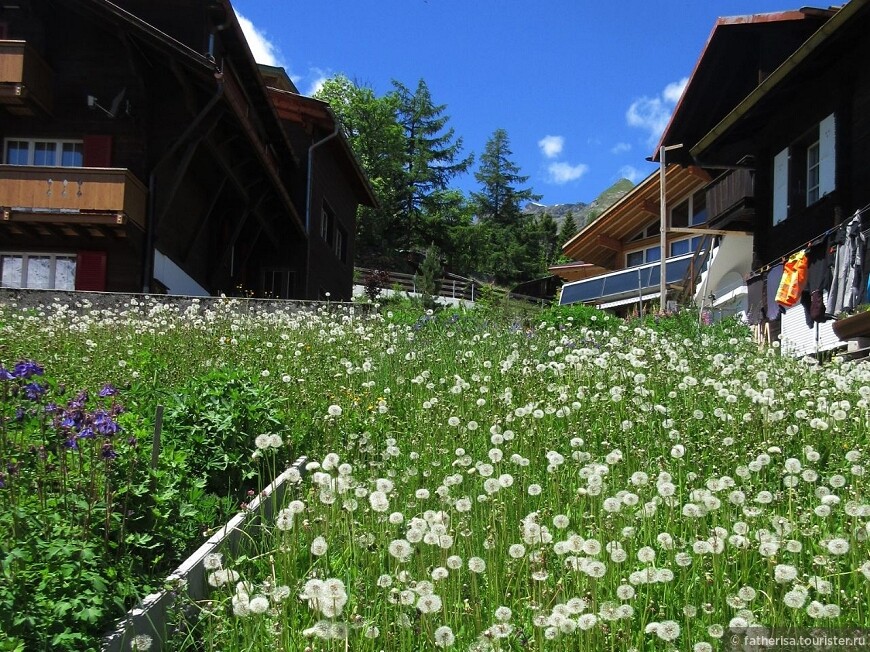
<point>428,281</point>
<point>511,234</point>
<point>548,233</point>
<point>568,229</point>
<point>431,158</point>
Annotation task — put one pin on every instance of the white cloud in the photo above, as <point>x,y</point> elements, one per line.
<point>551,146</point>
<point>620,148</point>
<point>674,91</point>
<point>631,173</point>
<point>318,78</point>
<point>264,50</point>
<point>562,173</point>
<point>652,113</point>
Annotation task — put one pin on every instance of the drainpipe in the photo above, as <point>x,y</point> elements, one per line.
<point>150,225</point>
<point>310,192</point>
<point>311,174</point>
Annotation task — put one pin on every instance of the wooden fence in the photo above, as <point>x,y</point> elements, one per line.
<point>451,286</point>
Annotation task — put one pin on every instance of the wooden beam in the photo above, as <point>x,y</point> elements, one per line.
<point>240,187</point>
<point>177,178</point>
<point>244,261</point>
<point>203,222</point>
<point>698,173</point>
<point>609,243</point>
<point>228,250</point>
<point>650,206</point>
<point>82,219</point>
<point>697,231</point>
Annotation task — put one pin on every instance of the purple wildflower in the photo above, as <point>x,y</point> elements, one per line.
<point>34,391</point>
<point>108,390</point>
<point>108,452</point>
<point>5,374</point>
<point>78,402</point>
<point>27,368</point>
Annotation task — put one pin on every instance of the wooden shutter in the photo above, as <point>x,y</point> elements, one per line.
<point>91,271</point>
<point>98,151</point>
<point>827,156</point>
<point>780,186</point>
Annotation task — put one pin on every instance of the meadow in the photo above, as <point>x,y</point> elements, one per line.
<point>563,481</point>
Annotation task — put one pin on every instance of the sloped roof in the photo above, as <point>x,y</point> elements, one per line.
<point>637,208</point>
<point>812,58</point>
<point>308,110</point>
<point>739,53</point>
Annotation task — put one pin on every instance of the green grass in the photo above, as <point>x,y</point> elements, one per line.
<point>663,482</point>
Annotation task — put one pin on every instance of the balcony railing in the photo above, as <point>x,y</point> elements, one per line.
<point>71,195</point>
<point>25,79</point>
<point>626,283</point>
<point>732,192</point>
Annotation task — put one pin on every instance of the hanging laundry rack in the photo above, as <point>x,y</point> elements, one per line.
<point>764,268</point>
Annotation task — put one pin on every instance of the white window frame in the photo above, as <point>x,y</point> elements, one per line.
<point>648,231</point>
<point>689,201</point>
<point>791,178</point>
<point>52,273</point>
<point>814,169</point>
<point>646,258</point>
<point>327,224</point>
<point>31,148</point>
<point>693,240</point>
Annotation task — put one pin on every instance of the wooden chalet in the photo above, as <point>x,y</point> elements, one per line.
<point>778,110</point>
<point>142,152</point>
<point>618,255</point>
<point>335,185</point>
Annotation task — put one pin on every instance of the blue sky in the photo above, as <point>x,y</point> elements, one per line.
<point>583,89</point>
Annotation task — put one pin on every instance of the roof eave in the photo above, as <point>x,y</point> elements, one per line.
<point>784,70</point>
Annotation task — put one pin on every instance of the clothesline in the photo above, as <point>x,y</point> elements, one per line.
<point>784,257</point>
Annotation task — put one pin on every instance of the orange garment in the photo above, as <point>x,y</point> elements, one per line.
<point>794,278</point>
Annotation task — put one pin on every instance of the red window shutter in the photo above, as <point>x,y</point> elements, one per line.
<point>98,151</point>
<point>91,271</point>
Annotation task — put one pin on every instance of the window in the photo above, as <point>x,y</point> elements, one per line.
<point>641,256</point>
<point>804,172</point>
<point>66,153</point>
<point>813,173</point>
<point>648,232</point>
<point>278,283</point>
<point>39,271</point>
<point>340,248</point>
<point>327,224</point>
<point>692,211</point>
<point>685,245</point>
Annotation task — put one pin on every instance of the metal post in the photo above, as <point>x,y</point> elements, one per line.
<point>663,226</point>
<point>663,230</point>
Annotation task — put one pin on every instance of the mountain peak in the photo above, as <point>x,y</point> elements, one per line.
<point>583,213</point>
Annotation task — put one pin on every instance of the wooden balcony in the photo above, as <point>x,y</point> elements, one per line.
<point>76,196</point>
<point>731,198</point>
<point>25,79</point>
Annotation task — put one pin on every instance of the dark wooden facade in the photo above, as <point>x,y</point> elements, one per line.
<point>818,96</point>
<point>178,173</point>
<point>335,186</point>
